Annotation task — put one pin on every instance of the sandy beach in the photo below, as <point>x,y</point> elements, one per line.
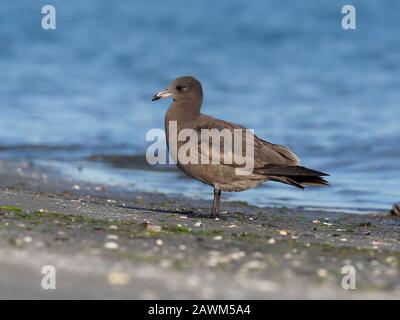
<point>106,242</point>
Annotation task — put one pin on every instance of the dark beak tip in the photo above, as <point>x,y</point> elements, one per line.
<point>155,98</point>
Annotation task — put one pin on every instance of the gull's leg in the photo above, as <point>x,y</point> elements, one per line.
<point>215,207</point>
<point>218,201</point>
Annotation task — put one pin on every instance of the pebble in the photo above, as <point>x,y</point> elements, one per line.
<point>271,241</point>
<point>118,278</point>
<point>257,254</point>
<point>198,224</point>
<point>153,228</point>
<point>165,263</point>
<point>111,245</point>
<point>27,239</point>
<point>112,237</point>
<point>283,232</point>
<point>76,187</point>
<point>159,242</point>
<point>254,264</point>
<point>322,273</point>
<point>237,255</point>
<point>113,227</point>
<point>390,259</point>
<point>218,238</point>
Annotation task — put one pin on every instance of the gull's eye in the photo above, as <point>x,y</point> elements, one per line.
<point>181,88</point>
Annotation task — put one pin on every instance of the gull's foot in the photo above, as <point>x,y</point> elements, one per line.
<point>214,216</point>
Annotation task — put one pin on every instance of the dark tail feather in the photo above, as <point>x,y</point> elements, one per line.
<point>288,171</point>
<point>299,182</point>
<point>288,180</point>
<point>318,181</point>
<point>293,175</point>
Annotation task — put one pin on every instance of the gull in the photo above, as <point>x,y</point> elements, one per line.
<point>270,162</point>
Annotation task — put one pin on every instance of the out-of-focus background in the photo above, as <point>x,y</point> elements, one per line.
<point>80,96</point>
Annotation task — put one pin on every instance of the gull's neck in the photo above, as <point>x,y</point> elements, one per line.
<point>183,112</point>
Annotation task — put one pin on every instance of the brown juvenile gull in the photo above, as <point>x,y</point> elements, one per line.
<point>272,162</point>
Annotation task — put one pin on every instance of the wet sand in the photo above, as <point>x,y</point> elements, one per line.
<point>106,242</point>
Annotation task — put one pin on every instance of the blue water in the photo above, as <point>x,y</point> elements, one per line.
<point>284,68</point>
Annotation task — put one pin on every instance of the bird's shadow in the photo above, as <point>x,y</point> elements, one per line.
<point>188,213</point>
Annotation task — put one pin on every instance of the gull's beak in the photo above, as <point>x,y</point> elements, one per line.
<point>162,94</point>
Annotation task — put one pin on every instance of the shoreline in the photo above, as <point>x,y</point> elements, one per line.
<point>131,173</point>
<point>106,242</point>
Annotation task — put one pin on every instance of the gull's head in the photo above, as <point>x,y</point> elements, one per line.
<point>182,89</point>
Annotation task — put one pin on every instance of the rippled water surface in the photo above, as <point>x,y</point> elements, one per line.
<point>284,68</point>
